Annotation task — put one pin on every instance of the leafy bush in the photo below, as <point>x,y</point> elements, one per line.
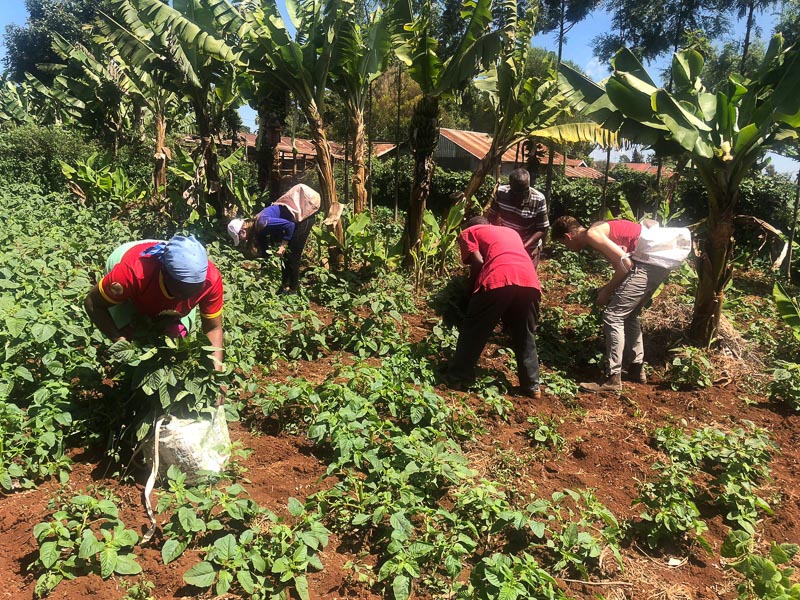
<point>32,154</point>
<point>69,544</point>
<point>178,373</point>
<point>444,185</point>
<point>671,510</point>
<point>765,577</point>
<point>94,180</point>
<point>737,461</point>
<point>545,431</point>
<point>690,369</point>
<point>581,198</point>
<point>559,385</point>
<point>510,577</point>
<point>785,386</point>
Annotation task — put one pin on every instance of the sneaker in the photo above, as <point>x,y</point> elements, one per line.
<point>636,373</point>
<point>612,383</point>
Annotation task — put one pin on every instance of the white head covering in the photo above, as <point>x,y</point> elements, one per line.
<point>234,227</point>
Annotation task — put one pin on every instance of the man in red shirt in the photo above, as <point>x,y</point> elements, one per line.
<point>624,297</point>
<point>164,281</point>
<point>505,287</point>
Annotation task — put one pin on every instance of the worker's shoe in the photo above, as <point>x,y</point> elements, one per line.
<point>456,384</point>
<point>533,393</point>
<point>612,383</point>
<point>636,373</point>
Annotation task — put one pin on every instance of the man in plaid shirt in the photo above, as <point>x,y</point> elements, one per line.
<point>523,209</point>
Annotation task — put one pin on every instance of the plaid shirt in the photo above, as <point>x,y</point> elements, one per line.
<point>526,218</point>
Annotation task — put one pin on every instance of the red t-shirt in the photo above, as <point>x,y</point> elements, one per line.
<point>142,283</point>
<point>505,261</point>
<point>624,233</point>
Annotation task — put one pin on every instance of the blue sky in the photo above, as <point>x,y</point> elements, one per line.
<point>577,49</point>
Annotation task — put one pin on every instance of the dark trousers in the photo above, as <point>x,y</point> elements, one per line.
<point>518,307</point>
<point>290,270</point>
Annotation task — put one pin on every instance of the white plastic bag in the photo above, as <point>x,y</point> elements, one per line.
<point>665,247</point>
<point>193,445</point>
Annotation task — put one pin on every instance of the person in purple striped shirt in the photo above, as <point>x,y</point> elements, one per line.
<point>521,208</point>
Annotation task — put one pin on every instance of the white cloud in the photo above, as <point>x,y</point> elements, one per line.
<point>596,70</point>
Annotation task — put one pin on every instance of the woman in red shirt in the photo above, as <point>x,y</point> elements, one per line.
<point>163,281</point>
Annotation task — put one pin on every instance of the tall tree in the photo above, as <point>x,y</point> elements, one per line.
<point>721,63</point>
<point>361,55</point>
<point>300,63</point>
<point>146,86</point>
<point>182,46</point>
<point>650,29</point>
<point>520,104</point>
<point>789,23</point>
<point>30,45</point>
<point>748,9</point>
<point>272,107</point>
<point>724,134</point>
<point>561,16</point>
<point>437,79</point>
<point>92,88</point>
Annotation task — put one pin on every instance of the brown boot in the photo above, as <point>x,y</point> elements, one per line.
<point>612,383</point>
<point>636,373</point>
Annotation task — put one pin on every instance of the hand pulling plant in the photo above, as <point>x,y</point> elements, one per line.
<point>178,373</point>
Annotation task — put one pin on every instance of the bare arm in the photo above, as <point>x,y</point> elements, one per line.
<point>97,308</point>
<point>533,240</point>
<point>599,240</point>
<point>213,329</point>
<point>475,262</point>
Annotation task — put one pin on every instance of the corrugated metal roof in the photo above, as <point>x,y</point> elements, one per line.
<point>648,168</point>
<point>306,147</point>
<point>585,172</point>
<point>475,143</point>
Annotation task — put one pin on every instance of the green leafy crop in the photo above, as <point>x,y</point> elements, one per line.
<point>83,536</point>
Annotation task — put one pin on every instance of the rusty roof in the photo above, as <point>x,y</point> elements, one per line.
<point>306,147</point>
<point>478,143</point>
<point>648,168</point>
<point>585,172</point>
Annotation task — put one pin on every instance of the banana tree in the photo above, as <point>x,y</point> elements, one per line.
<point>91,88</point>
<point>417,48</point>
<point>520,104</point>
<point>272,105</point>
<point>181,44</point>
<point>16,106</point>
<point>300,63</point>
<point>724,135</point>
<point>360,56</point>
<point>146,87</point>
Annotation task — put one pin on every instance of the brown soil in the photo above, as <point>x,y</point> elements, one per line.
<point>607,450</point>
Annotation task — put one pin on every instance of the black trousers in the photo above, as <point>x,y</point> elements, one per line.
<point>518,307</point>
<point>290,270</point>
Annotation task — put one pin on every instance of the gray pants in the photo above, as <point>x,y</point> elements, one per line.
<point>621,323</point>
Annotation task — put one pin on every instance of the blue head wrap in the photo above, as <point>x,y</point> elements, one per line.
<point>184,258</point>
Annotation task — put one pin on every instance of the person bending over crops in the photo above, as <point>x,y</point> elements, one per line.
<point>167,282</point>
<point>285,223</point>
<point>624,296</point>
<point>523,209</point>
<point>505,286</point>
